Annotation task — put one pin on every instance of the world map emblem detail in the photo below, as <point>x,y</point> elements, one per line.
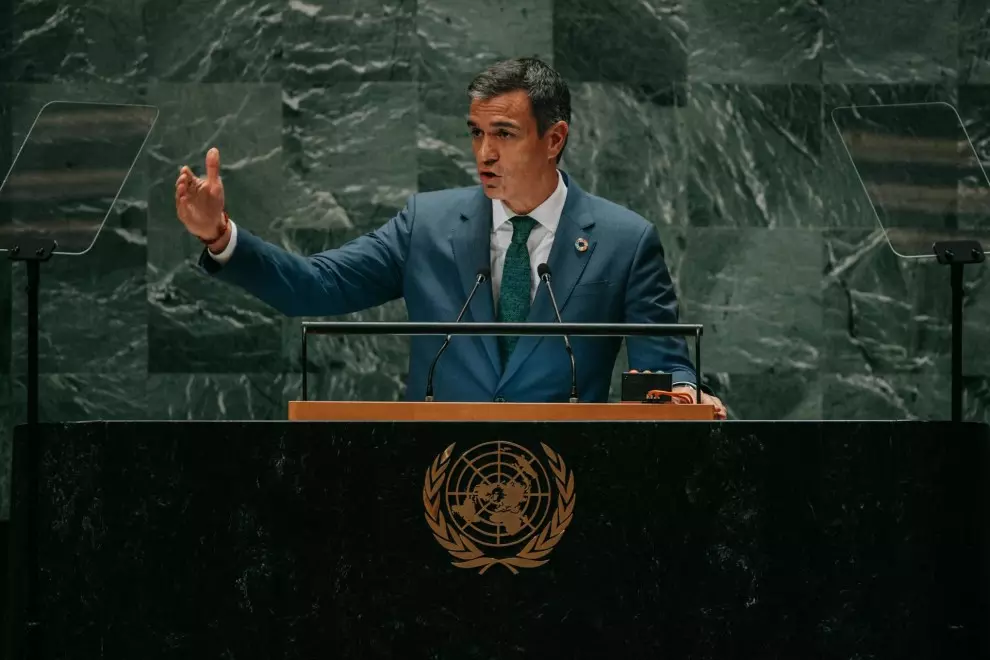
<point>497,503</point>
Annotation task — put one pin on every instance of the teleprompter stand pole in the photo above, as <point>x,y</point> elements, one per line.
<point>32,255</point>
<point>957,254</point>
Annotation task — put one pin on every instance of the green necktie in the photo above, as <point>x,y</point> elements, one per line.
<point>513,297</point>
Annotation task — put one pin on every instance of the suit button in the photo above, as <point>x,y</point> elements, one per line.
<point>500,399</point>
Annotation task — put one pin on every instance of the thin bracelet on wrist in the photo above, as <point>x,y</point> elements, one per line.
<point>208,242</point>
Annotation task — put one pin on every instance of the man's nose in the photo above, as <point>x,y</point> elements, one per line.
<point>489,154</point>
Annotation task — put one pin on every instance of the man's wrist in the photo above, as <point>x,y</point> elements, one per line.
<point>227,252</point>
<point>219,242</point>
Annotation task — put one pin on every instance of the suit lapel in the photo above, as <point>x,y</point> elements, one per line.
<point>471,245</point>
<point>566,263</point>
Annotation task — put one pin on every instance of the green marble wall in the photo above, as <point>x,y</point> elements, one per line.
<point>708,117</point>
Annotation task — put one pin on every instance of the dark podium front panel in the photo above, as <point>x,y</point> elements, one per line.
<point>506,540</point>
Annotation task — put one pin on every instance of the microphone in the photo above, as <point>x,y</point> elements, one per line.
<point>543,271</point>
<point>481,278</point>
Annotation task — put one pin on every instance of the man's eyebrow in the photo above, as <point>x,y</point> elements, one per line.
<point>496,124</point>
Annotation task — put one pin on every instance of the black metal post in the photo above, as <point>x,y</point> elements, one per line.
<point>304,369</point>
<point>956,275</point>
<point>957,254</point>
<point>33,280</point>
<point>32,253</point>
<point>32,626</point>
<point>697,366</point>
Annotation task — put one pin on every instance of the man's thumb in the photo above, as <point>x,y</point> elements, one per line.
<point>213,165</point>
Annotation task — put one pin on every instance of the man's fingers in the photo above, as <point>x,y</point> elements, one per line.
<point>213,165</point>
<point>180,197</point>
<point>187,180</point>
<point>720,410</point>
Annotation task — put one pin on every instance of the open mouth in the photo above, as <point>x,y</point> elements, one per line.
<point>488,176</point>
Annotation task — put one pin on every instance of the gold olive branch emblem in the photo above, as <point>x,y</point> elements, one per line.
<point>466,552</point>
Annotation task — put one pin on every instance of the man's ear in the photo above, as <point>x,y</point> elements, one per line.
<point>556,138</point>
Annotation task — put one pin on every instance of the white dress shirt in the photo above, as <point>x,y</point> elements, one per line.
<point>224,257</point>
<point>547,216</point>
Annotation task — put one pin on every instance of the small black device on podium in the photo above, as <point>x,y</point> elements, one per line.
<point>637,384</point>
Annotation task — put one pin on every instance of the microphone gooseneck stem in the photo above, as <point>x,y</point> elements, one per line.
<point>567,342</point>
<point>570,353</point>
<point>433,365</point>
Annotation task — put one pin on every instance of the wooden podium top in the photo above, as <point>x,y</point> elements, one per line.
<point>422,411</point>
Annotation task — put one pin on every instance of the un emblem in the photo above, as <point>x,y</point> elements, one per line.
<point>497,504</point>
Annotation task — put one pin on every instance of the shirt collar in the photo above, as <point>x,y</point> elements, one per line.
<point>547,214</point>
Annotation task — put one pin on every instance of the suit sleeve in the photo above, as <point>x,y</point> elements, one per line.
<point>365,272</point>
<point>650,298</point>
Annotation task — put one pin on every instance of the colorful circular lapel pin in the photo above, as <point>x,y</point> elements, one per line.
<point>581,244</point>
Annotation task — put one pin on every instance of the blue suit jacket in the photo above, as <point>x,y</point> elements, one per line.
<point>430,254</point>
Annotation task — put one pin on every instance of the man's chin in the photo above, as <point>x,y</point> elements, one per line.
<point>493,189</point>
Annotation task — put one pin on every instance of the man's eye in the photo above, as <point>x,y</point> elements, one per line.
<point>475,132</point>
<point>504,134</point>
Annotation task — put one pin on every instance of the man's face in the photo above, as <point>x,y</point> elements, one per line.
<point>513,160</point>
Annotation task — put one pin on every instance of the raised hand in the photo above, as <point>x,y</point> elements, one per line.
<point>199,202</point>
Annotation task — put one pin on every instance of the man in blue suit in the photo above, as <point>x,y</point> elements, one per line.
<point>606,261</point>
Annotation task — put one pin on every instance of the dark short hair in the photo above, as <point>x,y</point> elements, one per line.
<point>547,91</point>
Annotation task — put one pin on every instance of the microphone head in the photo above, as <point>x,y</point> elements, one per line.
<point>543,270</point>
<point>484,274</point>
